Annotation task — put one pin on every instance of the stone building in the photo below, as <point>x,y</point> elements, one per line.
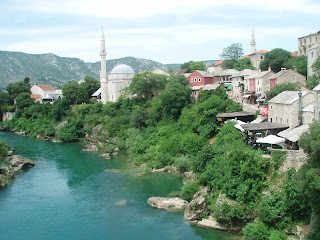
<point>258,83</point>
<point>237,82</point>
<point>160,71</point>
<point>223,77</point>
<point>286,76</point>
<point>284,108</point>
<point>218,67</point>
<point>309,46</point>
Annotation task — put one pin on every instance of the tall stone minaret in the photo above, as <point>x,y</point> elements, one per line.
<point>253,42</point>
<point>103,72</point>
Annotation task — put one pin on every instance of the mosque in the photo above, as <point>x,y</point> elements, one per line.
<point>118,78</point>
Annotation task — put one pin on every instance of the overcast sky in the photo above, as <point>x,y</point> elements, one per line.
<point>168,31</point>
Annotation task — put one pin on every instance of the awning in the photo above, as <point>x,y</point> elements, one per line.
<point>247,95</point>
<point>271,139</point>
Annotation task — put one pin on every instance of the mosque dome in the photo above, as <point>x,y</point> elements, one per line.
<point>121,68</point>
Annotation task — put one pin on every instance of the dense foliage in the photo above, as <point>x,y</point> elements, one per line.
<point>278,58</point>
<point>3,149</point>
<point>313,80</point>
<point>191,66</point>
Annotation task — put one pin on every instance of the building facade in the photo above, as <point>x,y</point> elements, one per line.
<point>45,93</point>
<point>309,46</point>
<point>287,76</point>
<point>284,108</point>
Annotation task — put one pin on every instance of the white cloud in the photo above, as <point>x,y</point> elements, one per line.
<point>146,8</point>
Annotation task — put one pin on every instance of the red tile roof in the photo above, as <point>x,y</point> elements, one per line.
<point>246,56</point>
<point>220,62</point>
<point>182,71</point>
<point>293,54</point>
<point>259,51</point>
<point>45,87</point>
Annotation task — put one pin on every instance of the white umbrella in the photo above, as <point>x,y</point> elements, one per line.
<point>271,139</point>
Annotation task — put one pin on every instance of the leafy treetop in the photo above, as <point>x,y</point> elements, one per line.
<point>234,52</point>
<point>191,66</point>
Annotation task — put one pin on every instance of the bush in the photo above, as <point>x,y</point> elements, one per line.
<point>3,149</point>
<point>189,189</point>
<point>256,231</point>
<point>277,235</point>
<point>183,163</point>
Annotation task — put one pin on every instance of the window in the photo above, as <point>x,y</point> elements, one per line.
<point>280,120</point>
<point>311,54</point>
<point>195,93</point>
<point>270,119</point>
<point>305,41</point>
<point>195,79</point>
<point>316,38</point>
<point>258,82</point>
<point>261,57</point>
<point>191,80</point>
<point>270,107</point>
<point>276,119</point>
<point>199,79</point>
<point>287,121</point>
<point>310,40</point>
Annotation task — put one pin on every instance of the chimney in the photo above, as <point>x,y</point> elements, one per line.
<point>295,68</point>
<point>300,109</point>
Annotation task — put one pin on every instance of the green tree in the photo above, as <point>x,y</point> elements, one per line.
<point>5,100</point>
<point>147,85</point>
<point>191,66</point>
<point>243,64</point>
<point>276,59</point>
<point>310,142</point>
<point>233,52</point>
<point>14,89</point>
<point>280,88</point>
<point>90,85</point>
<point>70,91</point>
<point>23,100</point>
<point>174,98</point>
<point>301,63</point>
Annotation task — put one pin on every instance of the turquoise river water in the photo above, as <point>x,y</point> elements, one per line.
<point>71,194</point>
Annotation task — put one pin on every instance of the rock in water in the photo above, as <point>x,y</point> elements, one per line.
<point>16,163</point>
<point>90,148</point>
<point>173,204</point>
<point>197,205</point>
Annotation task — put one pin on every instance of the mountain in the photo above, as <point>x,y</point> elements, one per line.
<point>56,71</point>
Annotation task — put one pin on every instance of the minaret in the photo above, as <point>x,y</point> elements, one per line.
<point>103,72</point>
<point>253,42</point>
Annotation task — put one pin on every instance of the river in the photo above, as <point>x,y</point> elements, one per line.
<point>71,194</point>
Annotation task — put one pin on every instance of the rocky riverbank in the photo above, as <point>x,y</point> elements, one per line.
<point>11,165</point>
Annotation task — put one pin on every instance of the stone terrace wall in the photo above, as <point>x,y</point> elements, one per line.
<point>295,158</point>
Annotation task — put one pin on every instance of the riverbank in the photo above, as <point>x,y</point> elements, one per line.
<point>12,164</point>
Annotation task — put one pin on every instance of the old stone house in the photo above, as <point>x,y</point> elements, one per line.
<point>223,77</point>
<point>237,82</point>
<point>218,67</point>
<point>284,108</point>
<point>286,76</point>
<point>258,83</point>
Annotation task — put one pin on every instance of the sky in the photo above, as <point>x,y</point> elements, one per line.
<point>167,31</point>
